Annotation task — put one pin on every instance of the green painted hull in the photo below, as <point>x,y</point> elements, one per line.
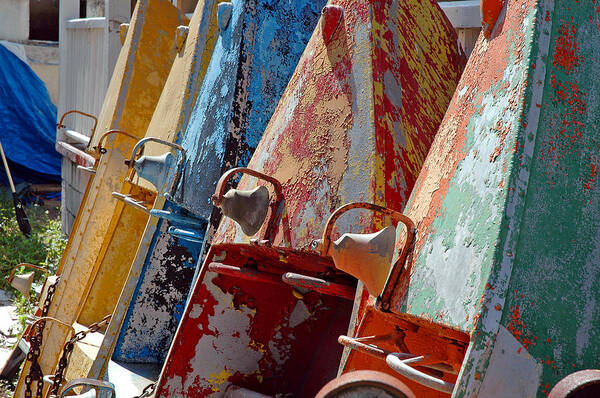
<point>507,250</point>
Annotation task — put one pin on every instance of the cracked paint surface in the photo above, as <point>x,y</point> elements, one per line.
<point>342,131</point>
<point>558,274</point>
<point>245,86</point>
<point>354,124</point>
<point>159,297</point>
<point>113,260</point>
<point>168,122</point>
<point>506,205</point>
<point>252,61</point>
<point>261,337</point>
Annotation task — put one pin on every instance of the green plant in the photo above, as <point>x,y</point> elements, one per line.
<point>23,308</point>
<point>44,247</point>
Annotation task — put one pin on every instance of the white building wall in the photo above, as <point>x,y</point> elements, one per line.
<point>43,59</point>
<point>14,19</point>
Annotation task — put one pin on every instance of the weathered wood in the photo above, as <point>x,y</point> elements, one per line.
<point>354,124</point>
<point>169,122</point>
<point>139,76</point>
<point>506,213</point>
<point>250,67</point>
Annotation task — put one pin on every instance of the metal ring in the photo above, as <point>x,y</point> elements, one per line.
<point>26,265</point>
<point>396,269</point>
<point>102,150</point>
<point>61,125</point>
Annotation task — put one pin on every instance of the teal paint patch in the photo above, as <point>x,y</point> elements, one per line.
<point>470,197</point>
<point>477,360</point>
<point>552,303</point>
<point>458,256</point>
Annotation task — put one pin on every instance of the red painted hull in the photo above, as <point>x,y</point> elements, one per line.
<point>355,124</point>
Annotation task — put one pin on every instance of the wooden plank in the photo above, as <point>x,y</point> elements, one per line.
<point>250,67</point>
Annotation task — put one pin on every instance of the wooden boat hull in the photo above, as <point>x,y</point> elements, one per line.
<point>250,67</point>
<point>262,321</point>
<point>121,241</point>
<point>502,269</point>
<point>138,78</point>
<point>354,124</point>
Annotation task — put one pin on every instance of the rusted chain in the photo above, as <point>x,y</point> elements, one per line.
<point>35,344</point>
<point>68,348</point>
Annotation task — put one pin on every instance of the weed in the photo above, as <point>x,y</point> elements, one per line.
<point>44,247</point>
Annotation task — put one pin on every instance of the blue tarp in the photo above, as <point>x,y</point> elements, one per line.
<point>27,124</point>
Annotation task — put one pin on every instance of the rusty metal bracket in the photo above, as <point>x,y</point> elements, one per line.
<point>99,149</point>
<point>10,277</point>
<point>61,125</point>
<point>276,204</point>
<point>180,164</point>
<point>397,217</point>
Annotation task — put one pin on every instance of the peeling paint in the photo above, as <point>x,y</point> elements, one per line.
<point>335,137</point>
<point>168,121</point>
<point>130,101</point>
<point>506,207</point>
<point>157,300</point>
<point>248,70</point>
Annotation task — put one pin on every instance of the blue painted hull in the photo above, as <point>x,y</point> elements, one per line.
<point>251,65</point>
<point>164,285</point>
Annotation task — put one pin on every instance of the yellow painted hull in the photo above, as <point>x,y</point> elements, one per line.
<point>137,82</point>
<point>128,224</point>
<point>126,227</point>
<point>169,121</point>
